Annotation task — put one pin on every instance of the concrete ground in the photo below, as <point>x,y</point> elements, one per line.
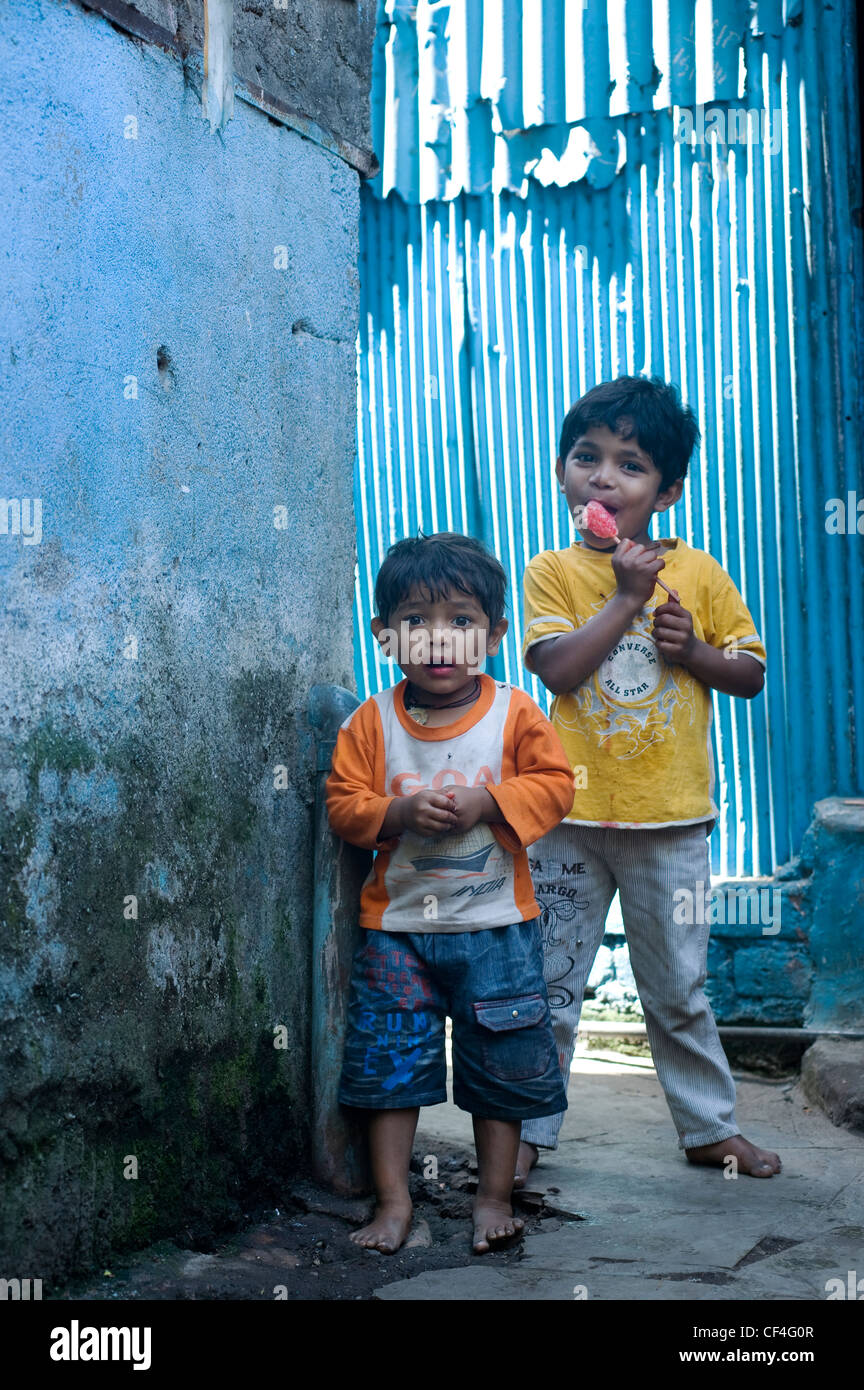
<point>616,1214</point>
<point>632,1220</point>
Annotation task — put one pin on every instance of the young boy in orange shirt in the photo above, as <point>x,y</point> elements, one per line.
<point>448,776</point>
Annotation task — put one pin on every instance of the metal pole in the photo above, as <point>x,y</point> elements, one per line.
<point>608,1028</point>
<point>339,1155</point>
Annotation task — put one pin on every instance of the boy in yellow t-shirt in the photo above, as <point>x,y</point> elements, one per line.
<point>632,671</point>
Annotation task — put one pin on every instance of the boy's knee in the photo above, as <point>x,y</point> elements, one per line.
<point>677,1011</point>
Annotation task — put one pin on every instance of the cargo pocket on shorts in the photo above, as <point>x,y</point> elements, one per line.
<point>515,1044</point>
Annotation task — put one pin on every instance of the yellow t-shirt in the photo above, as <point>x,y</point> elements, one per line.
<point>637,730</point>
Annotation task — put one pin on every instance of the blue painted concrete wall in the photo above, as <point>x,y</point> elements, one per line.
<point>834,845</point>
<point>170,377</point>
<point>790,954</point>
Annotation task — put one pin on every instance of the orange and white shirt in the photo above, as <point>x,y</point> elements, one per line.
<point>452,882</point>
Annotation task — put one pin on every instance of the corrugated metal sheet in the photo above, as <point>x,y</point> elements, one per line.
<point>479,95</point>
<point>729,269</point>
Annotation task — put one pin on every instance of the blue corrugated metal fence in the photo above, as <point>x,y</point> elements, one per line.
<point>497,290</point>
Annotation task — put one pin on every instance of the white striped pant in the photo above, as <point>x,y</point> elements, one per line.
<point>576,869</point>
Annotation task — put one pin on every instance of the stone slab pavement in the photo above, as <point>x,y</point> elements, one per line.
<point>635,1221</point>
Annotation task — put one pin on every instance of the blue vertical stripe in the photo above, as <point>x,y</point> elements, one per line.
<point>730,270</point>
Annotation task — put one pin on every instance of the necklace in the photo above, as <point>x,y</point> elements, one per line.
<point>417,711</point>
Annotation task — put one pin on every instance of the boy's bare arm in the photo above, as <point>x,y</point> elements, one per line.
<point>564,662</point>
<point>723,672</point>
<point>721,669</point>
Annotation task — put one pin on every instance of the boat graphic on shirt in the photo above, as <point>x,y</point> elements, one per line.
<point>468,852</point>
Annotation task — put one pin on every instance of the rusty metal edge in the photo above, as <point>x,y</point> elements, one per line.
<point>128,19</point>
<point>364,161</point>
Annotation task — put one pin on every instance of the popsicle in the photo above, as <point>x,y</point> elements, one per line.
<point>598,520</point>
<point>602,523</point>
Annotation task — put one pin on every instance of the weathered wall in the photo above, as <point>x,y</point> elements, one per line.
<point>314,55</point>
<point>785,951</point>
<point>834,847</point>
<point>166,387</point>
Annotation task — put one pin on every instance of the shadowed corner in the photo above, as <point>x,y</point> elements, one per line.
<point>339,1152</point>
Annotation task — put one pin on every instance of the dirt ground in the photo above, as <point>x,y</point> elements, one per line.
<point>302,1250</point>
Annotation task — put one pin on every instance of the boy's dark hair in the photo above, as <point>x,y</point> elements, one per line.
<point>664,428</point>
<point>440,564</point>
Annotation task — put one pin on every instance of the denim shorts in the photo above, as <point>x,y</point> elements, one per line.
<point>490,983</point>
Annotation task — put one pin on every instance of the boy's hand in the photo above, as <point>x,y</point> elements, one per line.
<point>635,568</point>
<point>469,805</point>
<point>428,813</point>
<point>673,632</point>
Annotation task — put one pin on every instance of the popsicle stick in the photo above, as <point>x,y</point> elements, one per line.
<point>670,592</point>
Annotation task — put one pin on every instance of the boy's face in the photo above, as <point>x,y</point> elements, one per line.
<point>603,467</point>
<point>439,644</point>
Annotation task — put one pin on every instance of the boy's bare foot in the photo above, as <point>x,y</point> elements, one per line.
<point>388,1228</point>
<point>526,1159</point>
<point>757,1163</point>
<point>493,1222</point>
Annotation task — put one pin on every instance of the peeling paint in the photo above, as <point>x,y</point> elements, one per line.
<point>217,99</point>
